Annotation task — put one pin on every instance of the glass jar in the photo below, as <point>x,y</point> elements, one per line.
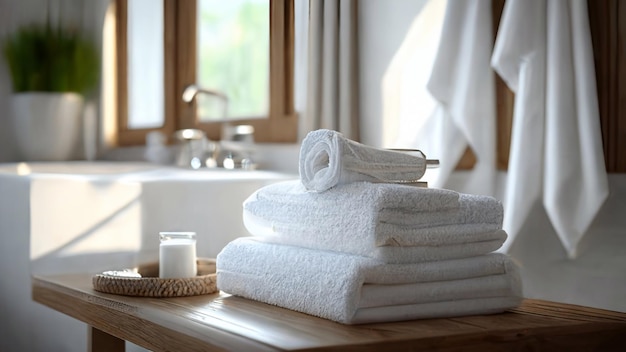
<point>177,255</point>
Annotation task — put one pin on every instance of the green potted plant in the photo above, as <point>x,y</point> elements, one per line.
<point>52,69</point>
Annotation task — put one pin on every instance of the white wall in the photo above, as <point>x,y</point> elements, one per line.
<point>382,27</point>
<point>8,10</point>
<point>597,278</point>
<point>87,15</point>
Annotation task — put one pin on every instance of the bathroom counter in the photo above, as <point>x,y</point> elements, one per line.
<point>74,217</point>
<point>224,322</point>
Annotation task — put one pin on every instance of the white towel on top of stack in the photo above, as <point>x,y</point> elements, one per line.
<point>327,159</point>
<point>390,222</point>
<point>352,289</point>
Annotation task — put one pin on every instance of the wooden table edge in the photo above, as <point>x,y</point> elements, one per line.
<point>170,339</point>
<point>87,308</point>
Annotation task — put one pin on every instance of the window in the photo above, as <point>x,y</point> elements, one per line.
<point>232,57</point>
<point>165,46</point>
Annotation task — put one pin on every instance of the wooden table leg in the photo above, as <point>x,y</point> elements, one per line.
<point>100,341</point>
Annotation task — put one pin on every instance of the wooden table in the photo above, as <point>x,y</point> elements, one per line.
<point>223,322</point>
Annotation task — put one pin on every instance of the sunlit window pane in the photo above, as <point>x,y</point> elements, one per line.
<point>145,64</point>
<point>233,57</point>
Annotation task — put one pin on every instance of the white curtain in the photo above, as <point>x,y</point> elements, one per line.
<point>330,82</point>
<point>543,51</point>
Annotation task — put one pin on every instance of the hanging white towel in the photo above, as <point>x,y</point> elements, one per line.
<point>543,51</point>
<point>462,81</point>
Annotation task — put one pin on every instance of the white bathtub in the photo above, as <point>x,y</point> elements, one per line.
<point>95,216</point>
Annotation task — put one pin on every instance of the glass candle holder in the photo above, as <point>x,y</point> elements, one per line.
<point>177,255</point>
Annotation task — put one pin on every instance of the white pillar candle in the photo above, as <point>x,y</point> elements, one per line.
<point>177,255</point>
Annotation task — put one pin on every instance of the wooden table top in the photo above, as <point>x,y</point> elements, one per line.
<point>224,322</point>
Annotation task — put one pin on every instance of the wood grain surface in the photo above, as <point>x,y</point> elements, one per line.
<point>220,321</point>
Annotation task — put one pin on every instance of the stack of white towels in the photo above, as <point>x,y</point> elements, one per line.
<point>345,244</point>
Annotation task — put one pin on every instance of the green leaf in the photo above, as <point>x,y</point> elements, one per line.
<point>41,58</point>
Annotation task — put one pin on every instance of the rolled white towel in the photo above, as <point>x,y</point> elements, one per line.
<point>327,159</point>
<point>353,289</point>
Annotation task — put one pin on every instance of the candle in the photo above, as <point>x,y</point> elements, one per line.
<point>177,255</point>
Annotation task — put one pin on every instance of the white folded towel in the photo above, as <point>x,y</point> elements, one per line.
<point>393,223</point>
<point>328,159</point>
<point>378,295</point>
<point>352,289</point>
<point>444,309</point>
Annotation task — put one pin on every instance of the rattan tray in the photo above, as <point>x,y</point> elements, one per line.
<point>150,285</point>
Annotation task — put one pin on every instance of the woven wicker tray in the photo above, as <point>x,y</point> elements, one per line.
<point>150,285</point>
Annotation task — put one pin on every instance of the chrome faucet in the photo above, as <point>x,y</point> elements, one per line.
<point>195,149</point>
<point>191,91</point>
<point>235,149</point>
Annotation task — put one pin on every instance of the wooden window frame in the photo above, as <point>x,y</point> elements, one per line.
<point>607,22</point>
<point>180,71</point>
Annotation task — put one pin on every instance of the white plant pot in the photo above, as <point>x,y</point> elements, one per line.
<point>47,125</point>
